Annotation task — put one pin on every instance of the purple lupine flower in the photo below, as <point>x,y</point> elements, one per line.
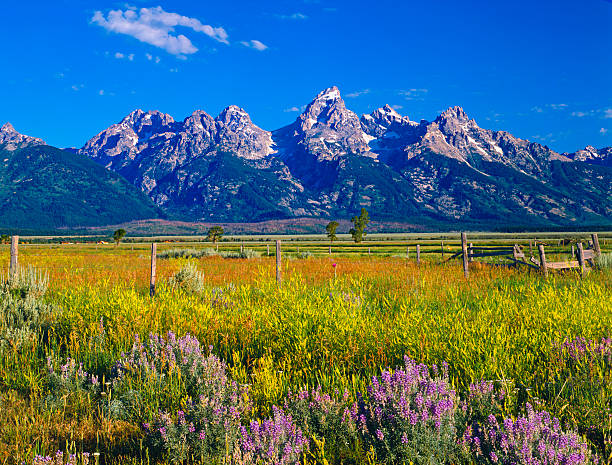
<point>535,438</point>
<point>406,406</point>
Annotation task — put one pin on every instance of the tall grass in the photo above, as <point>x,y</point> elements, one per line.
<point>315,330</point>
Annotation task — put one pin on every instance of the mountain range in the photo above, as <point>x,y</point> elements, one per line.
<point>330,162</point>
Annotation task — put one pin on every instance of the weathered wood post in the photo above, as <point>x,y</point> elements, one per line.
<point>543,265</point>
<point>153,269</point>
<point>369,252</point>
<point>217,246</point>
<point>464,249</point>
<point>278,262</point>
<point>470,253</point>
<point>14,264</point>
<point>418,247</point>
<point>329,249</point>
<point>573,252</point>
<point>241,247</point>
<point>596,247</point>
<point>268,249</point>
<point>442,248</point>
<point>580,257</point>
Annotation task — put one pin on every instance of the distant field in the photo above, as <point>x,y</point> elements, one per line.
<point>335,322</point>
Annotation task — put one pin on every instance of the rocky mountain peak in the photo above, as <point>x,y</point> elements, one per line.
<point>328,111</point>
<point>150,121</point>
<point>329,94</point>
<point>592,155</point>
<point>453,113</point>
<point>15,140</point>
<point>7,128</point>
<point>233,116</point>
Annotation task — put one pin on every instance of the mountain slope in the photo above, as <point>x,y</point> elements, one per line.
<point>42,187</point>
<point>329,163</point>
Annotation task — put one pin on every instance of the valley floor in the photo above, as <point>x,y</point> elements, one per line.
<point>91,363</point>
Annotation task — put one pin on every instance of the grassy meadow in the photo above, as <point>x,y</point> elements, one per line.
<point>335,322</point>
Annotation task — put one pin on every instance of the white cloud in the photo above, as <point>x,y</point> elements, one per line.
<point>603,131</point>
<point>131,57</point>
<point>537,109</point>
<point>173,70</point>
<point>155,26</point>
<point>119,55</point>
<point>397,107</point>
<point>557,106</point>
<point>255,44</point>
<point>358,93</point>
<point>101,92</point>
<point>292,16</point>
<point>292,110</point>
<point>580,114</point>
<point>77,87</point>
<point>149,56</point>
<point>413,94</point>
<point>608,113</point>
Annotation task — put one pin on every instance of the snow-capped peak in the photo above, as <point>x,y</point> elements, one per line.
<point>332,93</point>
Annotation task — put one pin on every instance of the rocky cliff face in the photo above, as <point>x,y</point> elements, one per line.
<point>12,140</point>
<point>330,163</point>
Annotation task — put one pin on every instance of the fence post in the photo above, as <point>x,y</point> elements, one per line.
<point>329,249</point>
<point>369,252</point>
<point>543,265</point>
<point>418,247</point>
<point>14,264</point>
<point>442,248</point>
<point>580,257</point>
<point>530,248</point>
<point>241,247</point>
<point>596,247</point>
<point>153,269</point>
<point>573,252</point>
<point>278,262</point>
<point>466,271</point>
<point>268,249</point>
<point>470,252</point>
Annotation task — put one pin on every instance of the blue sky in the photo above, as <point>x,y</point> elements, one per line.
<point>541,70</point>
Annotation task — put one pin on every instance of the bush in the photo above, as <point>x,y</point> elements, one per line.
<point>410,416</point>
<point>276,441</point>
<point>604,261</point>
<point>246,253</point>
<point>186,253</point>
<point>324,417</point>
<point>25,283</point>
<point>164,371</point>
<point>23,316</point>
<point>535,438</point>
<point>189,279</point>
<point>68,379</point>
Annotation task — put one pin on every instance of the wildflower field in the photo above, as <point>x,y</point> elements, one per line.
<point>354,359</point>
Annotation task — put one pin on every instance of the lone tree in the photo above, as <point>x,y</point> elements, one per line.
<point>359,224</point>
<point>331,230</point>
<point>215,233</point>
<point>4,239</point>
<point>118,235</point>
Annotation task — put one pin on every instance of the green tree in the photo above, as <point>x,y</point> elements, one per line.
<point>118,235</point>
<point>359,224</point>
<point>331,230</point>
<point>215,233</point>
<point>4,239</point>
